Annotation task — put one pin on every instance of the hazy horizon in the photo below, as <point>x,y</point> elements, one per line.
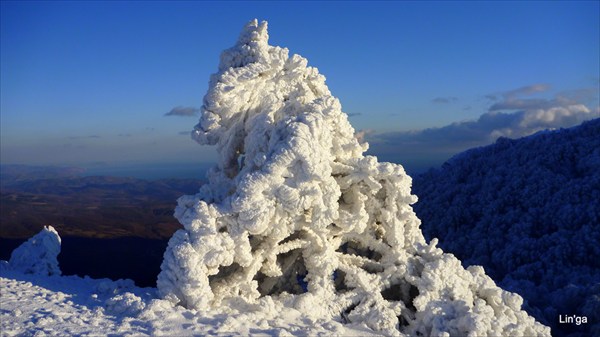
<point>183,170</point>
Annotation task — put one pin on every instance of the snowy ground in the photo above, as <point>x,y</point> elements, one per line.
<point>74,306</point>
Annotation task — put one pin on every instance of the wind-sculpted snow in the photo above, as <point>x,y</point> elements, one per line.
<point>294,214</point>
<point>527,210</point>
<point>38,255</point>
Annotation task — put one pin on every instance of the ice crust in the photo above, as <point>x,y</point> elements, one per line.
<point>38,255</point>
<point>295,213</point>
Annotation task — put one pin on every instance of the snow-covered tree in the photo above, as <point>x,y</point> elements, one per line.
<point>38,255</point>
<point>295,211</point>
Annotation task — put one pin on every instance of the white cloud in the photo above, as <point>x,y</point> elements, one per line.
<point>183,111</point>
<point>511,100</point>
<point>501,120</point>
<point>526,90</point>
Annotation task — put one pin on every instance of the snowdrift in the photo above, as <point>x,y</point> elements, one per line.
<point>295,215</point>
<point>528,211</point>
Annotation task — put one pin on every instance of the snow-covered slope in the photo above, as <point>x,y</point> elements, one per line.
<point>528,210</point>
<point>296,232</point>
<point>73,306</point>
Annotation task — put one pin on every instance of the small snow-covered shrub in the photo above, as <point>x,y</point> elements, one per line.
<point>294,211</point>
<point>38,255</point>
<point>528,210</point>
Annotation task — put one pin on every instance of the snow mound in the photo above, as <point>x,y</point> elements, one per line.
<point>38,254</point>
<point>295,214</point>
<point>531,209</point>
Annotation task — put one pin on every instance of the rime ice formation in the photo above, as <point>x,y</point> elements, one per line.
<point>38,254</point>
<point>531,209</point>
<point>294,212</point>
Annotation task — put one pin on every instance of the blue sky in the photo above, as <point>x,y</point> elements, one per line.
<point>91,82</point>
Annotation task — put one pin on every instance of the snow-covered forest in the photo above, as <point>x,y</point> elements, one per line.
<point>528,211</point>
<point>297,232</point>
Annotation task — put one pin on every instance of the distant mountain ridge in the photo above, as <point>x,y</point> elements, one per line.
<point>92,184</point>
<point>527,210</point>
<point>87,206</point>
<point>13,174</point>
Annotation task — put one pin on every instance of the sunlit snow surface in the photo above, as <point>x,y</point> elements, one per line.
<point>297,232</point>
<point>73,306</point>
<point>34,303</point>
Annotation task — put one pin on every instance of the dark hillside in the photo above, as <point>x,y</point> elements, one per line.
<point>528,210</point>
<point>100,207</point>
